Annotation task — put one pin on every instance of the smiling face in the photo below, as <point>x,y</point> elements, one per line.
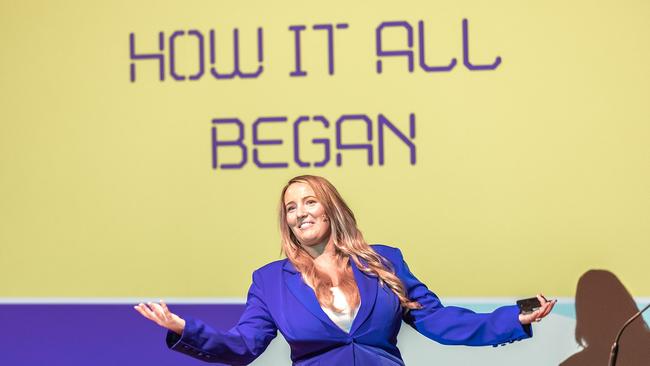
<point>306,215</point>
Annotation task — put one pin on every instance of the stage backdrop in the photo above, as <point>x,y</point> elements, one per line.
<point>502,146</point>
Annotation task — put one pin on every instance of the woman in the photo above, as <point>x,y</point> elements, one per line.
<point>336,299</point>
<point>603,304</point>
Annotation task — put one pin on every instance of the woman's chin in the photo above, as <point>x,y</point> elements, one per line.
<point>312,242</point>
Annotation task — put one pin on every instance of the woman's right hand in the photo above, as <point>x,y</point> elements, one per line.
<point>160,314</point>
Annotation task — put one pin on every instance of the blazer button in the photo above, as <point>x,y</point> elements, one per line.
<point>199,354</point>
<point>186,347</point>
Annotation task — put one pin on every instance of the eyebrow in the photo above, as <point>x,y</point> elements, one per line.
<point>304,198</point>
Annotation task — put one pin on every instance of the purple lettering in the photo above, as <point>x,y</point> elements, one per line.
<point>341,146</point>
<point>423,63</point>
<point>148,56</point>
<point>238,142</point>
<point>383,53</point>
<point>330,42</point>
<point>172,55</point>
<point>296,142</point>
<point>296,29</point>
<point>258,141</point>
<point>384,122</point>
<point>384,126</point>
<point>236,67</point>
<point>466,61</point>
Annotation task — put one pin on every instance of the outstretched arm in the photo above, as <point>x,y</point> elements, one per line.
<point>238,346</point>
<point>539,314</point>
<point>459,326</point>
<point>159,313</point>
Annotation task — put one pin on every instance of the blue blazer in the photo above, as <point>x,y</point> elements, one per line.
<point>280,300</point>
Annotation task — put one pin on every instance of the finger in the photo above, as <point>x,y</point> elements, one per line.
<point>168,313</point>
<point>137,308</point>
<point>157,309</point>
<point>542,299</point>
<point>141,309</point>
<point>542,312</point>
<point>148,308</point>
<point>548,309</point>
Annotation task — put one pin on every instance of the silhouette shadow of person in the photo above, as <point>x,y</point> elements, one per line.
<point>603,305</point>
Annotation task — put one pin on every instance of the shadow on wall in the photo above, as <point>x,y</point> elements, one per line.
<point>603,305</point>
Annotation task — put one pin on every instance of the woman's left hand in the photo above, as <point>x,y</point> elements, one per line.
<point>539,314</point>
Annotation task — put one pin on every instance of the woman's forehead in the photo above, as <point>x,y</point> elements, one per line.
<point>297,190</point>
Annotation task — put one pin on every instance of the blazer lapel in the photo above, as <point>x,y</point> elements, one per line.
<point>368,292</point>
<point>304,293</point>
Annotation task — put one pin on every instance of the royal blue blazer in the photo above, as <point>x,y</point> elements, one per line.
<point>280,300</point>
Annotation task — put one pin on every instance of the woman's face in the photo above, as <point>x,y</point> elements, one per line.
<point>306,215</point>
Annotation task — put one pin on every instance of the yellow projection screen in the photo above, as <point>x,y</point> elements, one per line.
<point>503,146</point>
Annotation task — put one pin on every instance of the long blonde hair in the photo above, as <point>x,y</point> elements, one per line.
<point>348,244</point>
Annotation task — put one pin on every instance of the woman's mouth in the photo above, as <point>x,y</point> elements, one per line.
<point>306,225</point>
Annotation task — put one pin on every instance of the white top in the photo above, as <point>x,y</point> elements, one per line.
<point>345,318</point>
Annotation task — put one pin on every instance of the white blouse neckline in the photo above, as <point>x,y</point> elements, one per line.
<point>344,318</point>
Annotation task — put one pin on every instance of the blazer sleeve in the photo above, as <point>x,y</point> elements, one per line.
<point>455,325</point>
<point>238,346</point>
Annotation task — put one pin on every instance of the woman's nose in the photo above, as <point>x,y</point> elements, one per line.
<point>301,212</point>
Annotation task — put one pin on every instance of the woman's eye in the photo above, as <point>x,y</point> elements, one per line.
<point>289,209</point>
<point>311,202</point>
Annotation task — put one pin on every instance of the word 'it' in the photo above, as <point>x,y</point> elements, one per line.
<point>205,64</point>
<point>380,127</point>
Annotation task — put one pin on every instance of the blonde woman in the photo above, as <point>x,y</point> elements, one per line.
<point>336,299</point>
